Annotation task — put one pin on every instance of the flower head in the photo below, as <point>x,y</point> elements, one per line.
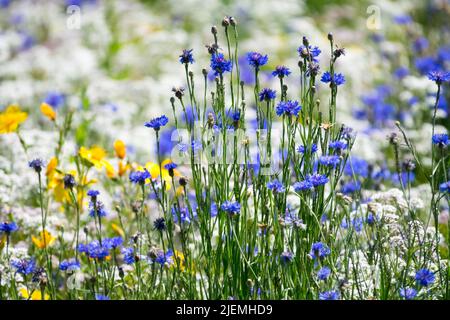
<point>8,227</point>
<point>445,187</point>
<point>164,259</point>
<point>329,295</point>
<point>97,209</point>
<point>159,224</point>
<point>439,76</point>
<point>440,139</point>
<point>288,108</point>
<point>318,179</point>
<point>425,277</point>
<point>329,161</point>
<point>267,94</point>
<point>69,265</point>
<point>281,72</point>
<point>286,257</point>
<point>309,52</point>
<point>276,186</point>
<point>24,266</point>
<point>69,181</point>
<point>304,185</point>
<point>44,240</point>
<point>128,255</point>
<point>187,57</point>
<point>232,208</point>
<point>219,64</point>
<point>48,111</point>
<point>11,118</point>
<point>408,293</point>
<point>256,59</point>
<point>157,123</point>
<point>101,297</point>
<point>337,79</point>
<point>338,145</point>
<point>120,149</point>
<point>323,273</point>
<point>303,149</point>
<point>36,164</point>
<point>139,176</point>
<point>319,250</point>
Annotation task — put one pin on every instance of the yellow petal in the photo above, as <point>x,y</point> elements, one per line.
<point>118,230</point>
<point>11,118</point>
<point>48,111</point>
<point>51,166</point>
<point>120,149</point>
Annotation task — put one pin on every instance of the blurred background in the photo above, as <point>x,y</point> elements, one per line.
<point>115,62</point>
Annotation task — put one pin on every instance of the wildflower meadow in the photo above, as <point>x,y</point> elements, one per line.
<point>227,150</point>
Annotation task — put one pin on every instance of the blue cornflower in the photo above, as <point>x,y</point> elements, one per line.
<point>170,167</point>
<point>219,64</point>
<point>312,52</point>
<point>318,179</point>
<point>286,257</point>
<point>112,242</point>
<point>164,258</point>
<point>281,72</point>
<point>357,224</point>
<point>304,185</point>
<point>256,59</point>
<point>187,57</point>
<point>101,297</point>
<point>157,123</point>
<point>371,219</point>
<point>183,213</point>
<point>276,186</point>
<point>24,266</point>
<point>331,161</point>
<point>425,277</point>
<point>324,273</point>
<point>232,208</point>
<point>357,167</point>
<point>319,250</point>
<point>36,164</point>
<point>403,19</point>
<point>128,255</point>
<point>139,176</point>
<point>329,295</point>
<point>408,293</point>
<point>93,193</point>
<point>337,145</point>
<point>440,139</point>
<point>69,265</point>
<point>94,250</point>
<point>445,187</point>
<point>159,224</point>
<point>303,149</point>
<point>439,76</point>
<point>213,210</point>
<point>8,227</point>
<point>97,209</point>
<point>55,99</point>
<point>288,108</point>
<point>337,79</point>
<point>267,94</point>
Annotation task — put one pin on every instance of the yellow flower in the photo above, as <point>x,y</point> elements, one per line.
<point>11,118</point>
<point>45,240</point>
<point>48,111</point>
<point>95,155</point>
<point>120,149</point>
<point>35,295</point>
<point>51,166</point>
<point>123,168</point>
